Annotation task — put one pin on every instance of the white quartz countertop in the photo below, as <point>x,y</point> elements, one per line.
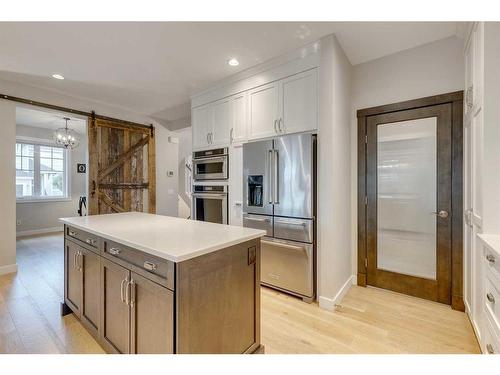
<point>492,240</point>
<point>170,238</point>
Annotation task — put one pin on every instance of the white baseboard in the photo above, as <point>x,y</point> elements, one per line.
<point>331,303</point>
<point>34,232</point>
<point>10,268</point>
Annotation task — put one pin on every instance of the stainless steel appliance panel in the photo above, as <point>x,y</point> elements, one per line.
<point>259,222</point>
<point>288,265</point>
<point>293,229</point>
<point>211,164</point>
<point>210,204</point>
<point>257,183</point>
<point>293,175</point>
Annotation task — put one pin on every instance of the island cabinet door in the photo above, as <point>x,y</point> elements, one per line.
<point>152,317</point>
<point>115,312</point>
<point>90,306</point>
<point>73,277</point>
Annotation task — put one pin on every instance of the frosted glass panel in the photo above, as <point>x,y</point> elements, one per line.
<point>406,197</point>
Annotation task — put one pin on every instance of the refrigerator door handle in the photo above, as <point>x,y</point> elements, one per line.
<point>269,173</point>
<point>276,197</point>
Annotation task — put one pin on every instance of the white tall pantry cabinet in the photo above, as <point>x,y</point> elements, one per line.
<point>481,260</point>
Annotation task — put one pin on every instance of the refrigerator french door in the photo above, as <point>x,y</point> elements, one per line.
<point>279,185</point>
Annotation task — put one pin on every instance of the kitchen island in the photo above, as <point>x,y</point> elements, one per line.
<point>143,283</point>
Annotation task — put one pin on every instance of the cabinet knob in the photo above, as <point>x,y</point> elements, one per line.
<point>90,241</point>
<point>489,349</point>
<point>490,297</point>
<point>72,233</point>
<point>490,258</point>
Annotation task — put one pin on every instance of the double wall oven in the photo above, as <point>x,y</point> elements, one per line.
<point>210,192</point>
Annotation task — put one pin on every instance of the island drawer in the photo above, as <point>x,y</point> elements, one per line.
<point>87,238</point>
<point>154,268</point>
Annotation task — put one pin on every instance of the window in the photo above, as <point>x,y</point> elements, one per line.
<point>41,171</point>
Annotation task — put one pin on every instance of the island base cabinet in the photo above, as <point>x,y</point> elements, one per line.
<point>72,277</point>
<point>218,301</point>
<point>152,317</point>
<point>115,312</point>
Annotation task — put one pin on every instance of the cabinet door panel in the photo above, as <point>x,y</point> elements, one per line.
<point>236,185</point>
<point>202,120</point>
<point>299,102</point>
<point>239,115</point>
<point>73,284</point>
<point>263,110</point>
<point>152,317</point>
<point>91,290</point>
<point>115,313</point>
<point>222,122</point>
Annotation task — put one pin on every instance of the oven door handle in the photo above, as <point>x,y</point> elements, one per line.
<point>210,159</point>
<point>208,195</point>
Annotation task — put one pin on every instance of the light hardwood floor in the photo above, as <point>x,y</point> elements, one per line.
<point>369,320</point>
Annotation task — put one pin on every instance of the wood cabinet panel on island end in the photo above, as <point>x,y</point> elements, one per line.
<point>150,284</point>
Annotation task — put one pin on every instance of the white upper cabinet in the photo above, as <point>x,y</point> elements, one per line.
<point>201,122</point>
<point>263,111</point>
<point>288,105</point>
<point>221,123</point>
<point>238,131</point>
<point>298,103</point>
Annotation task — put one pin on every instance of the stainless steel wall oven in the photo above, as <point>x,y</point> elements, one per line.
<point>211,164</point>
<point>210,203</point>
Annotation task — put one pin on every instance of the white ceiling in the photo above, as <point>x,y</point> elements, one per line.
<point>48,119</point>
<point>153,68</point>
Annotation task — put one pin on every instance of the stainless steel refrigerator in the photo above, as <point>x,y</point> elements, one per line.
<point>279,197</point>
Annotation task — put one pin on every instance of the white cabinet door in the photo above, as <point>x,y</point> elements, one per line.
<point>219,134</point>
<point>238,131</point>
<point>236,185</point>
<point>201,121</point>
<point>299,103</point>
<point>263,111</point>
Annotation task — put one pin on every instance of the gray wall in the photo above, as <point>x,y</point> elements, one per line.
<point>44,215</point>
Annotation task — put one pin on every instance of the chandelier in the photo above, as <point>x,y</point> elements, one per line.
<point>66,137</point>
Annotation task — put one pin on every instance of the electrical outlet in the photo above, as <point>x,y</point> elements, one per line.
<point>18,222</point>
<point>170,173</point>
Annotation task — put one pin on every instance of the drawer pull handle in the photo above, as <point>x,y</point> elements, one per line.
<point>490,297</point>
<point>72,233</point>
<point>114,251</point>
<point>489,349</point>
<point>150,266</point>
<point>490,258</point>
<point>90,241</point>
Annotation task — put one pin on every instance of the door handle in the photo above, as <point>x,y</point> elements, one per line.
<point>280,122</point>
<point>442,214</point>
<point>74,260</point>
<point>127,292</point>
<point>270,168</point>
<point>256,219</point>
<point>79,264</point>
<point>122,292</point>
<point>231,139</point>
<point>208,141</point>
<point>275,128</point>
<point>131,300</point>
<point>276,179</point>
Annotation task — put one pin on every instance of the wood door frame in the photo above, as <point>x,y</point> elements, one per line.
<point>456,101</point>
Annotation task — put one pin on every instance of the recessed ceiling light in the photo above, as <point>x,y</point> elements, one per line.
<point>233,62</point>
<point>57,76</point>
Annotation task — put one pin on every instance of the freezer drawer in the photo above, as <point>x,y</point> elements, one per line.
<point>259,222</point>
<point>287,265</point>
<point>293,229</point>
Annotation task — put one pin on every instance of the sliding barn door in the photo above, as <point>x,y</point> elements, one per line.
<point>121,167</point>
